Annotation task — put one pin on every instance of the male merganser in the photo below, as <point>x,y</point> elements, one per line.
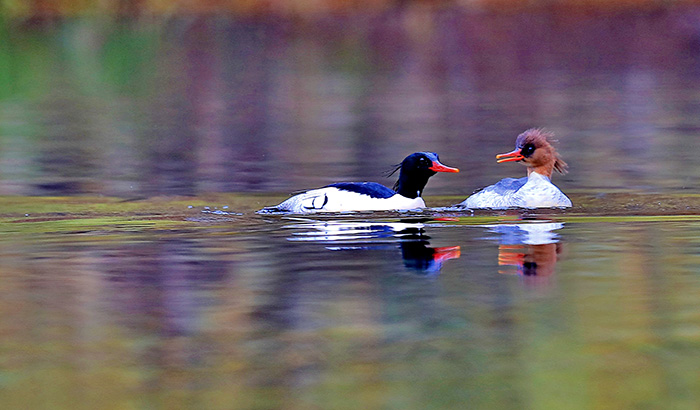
<point>532,148</point>
<point>414,172</point>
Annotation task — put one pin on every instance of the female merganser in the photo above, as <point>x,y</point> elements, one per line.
<point>414,172</point>
<point>532,148</point>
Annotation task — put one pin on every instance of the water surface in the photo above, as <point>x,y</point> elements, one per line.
<point>225,311</point>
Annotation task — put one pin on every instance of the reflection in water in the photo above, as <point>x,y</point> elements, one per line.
<point>532,248</point>
<point>166,279</point>
<point>304,316</point>
<point>108,307</point>
<point>411,239</point>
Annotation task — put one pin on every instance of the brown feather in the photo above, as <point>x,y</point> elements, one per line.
<point>560,166</point>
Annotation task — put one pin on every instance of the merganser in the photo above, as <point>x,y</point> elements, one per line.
<point>533,149</point>
<point>414,172</point>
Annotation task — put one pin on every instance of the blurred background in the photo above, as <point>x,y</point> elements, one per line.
<point>149,97</point>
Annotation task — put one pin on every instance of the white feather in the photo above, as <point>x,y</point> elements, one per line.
<point>332,199</point>
<point>538,192</point>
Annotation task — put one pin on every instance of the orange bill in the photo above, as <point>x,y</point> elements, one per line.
<point>511,254</point>
<point>446,253</point>
<point>438,167</point>
<point>514,155</point>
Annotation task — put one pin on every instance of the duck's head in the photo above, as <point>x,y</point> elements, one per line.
<point>534,149</point>
<point>425,163</point>
<point>415,170</point>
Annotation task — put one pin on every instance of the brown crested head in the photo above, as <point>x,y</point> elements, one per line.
<point>534,149</point>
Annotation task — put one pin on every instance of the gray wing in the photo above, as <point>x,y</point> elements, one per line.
<point>498,195</point>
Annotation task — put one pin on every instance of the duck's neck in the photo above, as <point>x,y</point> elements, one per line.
<point>544,170</point>
<point>411,186</point>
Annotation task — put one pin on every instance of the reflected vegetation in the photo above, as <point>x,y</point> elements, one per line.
<point>188,106</point>
<point>300,313</point>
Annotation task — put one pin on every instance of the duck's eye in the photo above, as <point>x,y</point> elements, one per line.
<point>527,150</point>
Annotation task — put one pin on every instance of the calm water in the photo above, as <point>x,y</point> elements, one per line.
<point>404,311</point>
<point>362,313</point>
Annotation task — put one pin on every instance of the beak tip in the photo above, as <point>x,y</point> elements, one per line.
<point>509,156</point>
<point>437,167</point>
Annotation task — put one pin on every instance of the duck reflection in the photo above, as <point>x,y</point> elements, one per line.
<point>532,248</point>
<point>417,255</point>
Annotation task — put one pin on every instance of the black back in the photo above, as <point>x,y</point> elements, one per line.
<point>414,172</point>
<point>372,189</point>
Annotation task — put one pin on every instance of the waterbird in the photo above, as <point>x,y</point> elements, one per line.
<point>414,172</point>
<point>533,148</point>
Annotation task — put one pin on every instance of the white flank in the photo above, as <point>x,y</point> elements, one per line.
<point>332,199</point>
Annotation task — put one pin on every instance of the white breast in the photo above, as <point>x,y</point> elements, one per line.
<point>539,192</point>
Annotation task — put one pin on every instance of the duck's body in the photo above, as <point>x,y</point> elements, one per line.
<point>414,172</point>
<point>534,191</point>
<point>348,196</point>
